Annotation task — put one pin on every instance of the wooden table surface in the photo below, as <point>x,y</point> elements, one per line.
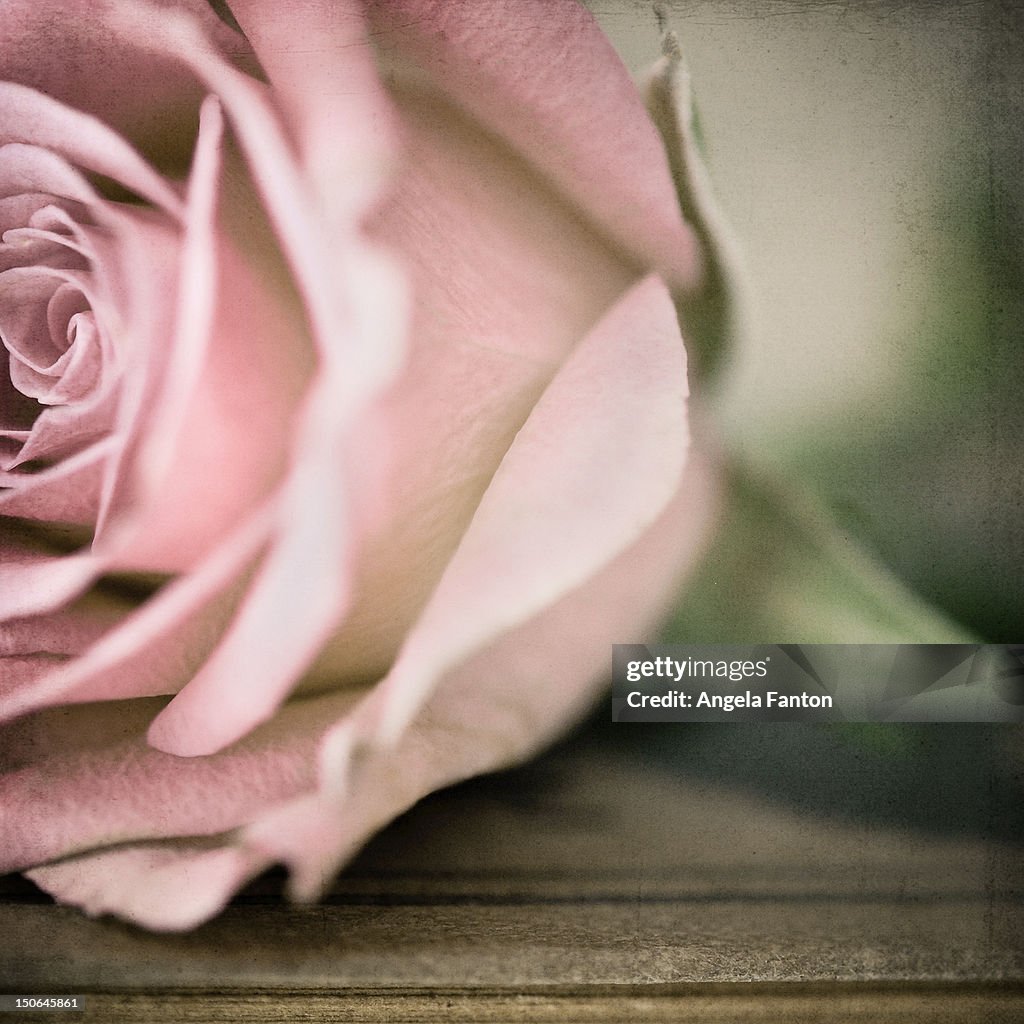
<point>711,873</point>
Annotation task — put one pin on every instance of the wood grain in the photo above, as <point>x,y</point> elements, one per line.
<point>645,874</point>
<point>792,1004</point>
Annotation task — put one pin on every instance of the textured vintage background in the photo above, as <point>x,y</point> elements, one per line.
<point>869,156</point>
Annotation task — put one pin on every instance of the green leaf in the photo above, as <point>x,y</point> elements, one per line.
<point>781,571</point>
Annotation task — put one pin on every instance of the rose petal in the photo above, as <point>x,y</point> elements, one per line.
<point>33,118</point>
<point>158,647</point>
<point>552,515</point>
<point>69,52</point>
<point>302,586</point>
<point>495,708</point>
<point>330,96</point>
<point>73,375</point>
<point>114,788</point>
<point>533,279</point>
<point>645,425</point>
<point>64,633</point>
<point>507,280</point>
<point>169,887</point>
<point>67,492</point>
<point>349,298</point>
<point>355,304</point>
<point>222,373</point>
<point>120,295</point>
<point>331,300</point>
<point>68,732</point>
<point>161,376</point>
<point>36,582</point>
<point>555,89</point>
<point>136,268</point>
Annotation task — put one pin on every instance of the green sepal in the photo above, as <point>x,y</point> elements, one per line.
<point>713,314</point>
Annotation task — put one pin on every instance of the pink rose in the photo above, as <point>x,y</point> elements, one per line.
<point>343,422</point>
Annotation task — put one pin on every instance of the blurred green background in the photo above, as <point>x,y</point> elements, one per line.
<point>868,156</point>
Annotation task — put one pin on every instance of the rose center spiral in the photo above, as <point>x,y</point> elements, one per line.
<point>55,375</point>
